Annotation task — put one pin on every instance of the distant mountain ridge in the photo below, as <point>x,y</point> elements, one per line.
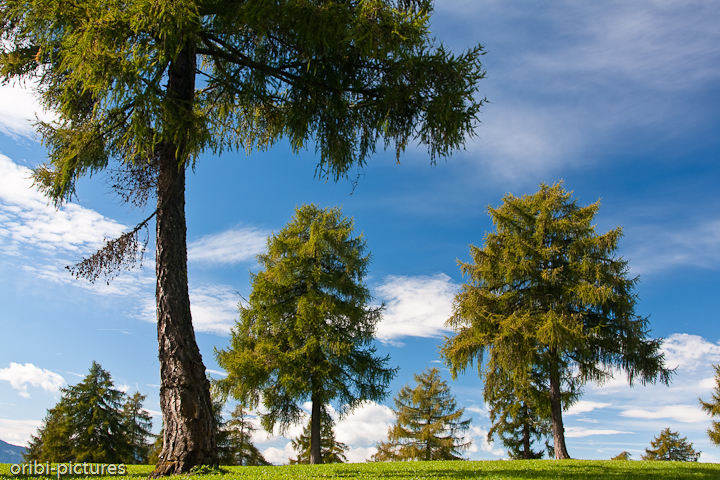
<point>10,453</point>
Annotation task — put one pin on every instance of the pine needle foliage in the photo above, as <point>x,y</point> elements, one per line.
<point>428,423</point>
<point>547,291</point>
<point>669,446</point>
<point>331,450</point>
<point>237,438</point>
<point>95,423</point>
<point>712,408</point>
<point>307,330</point>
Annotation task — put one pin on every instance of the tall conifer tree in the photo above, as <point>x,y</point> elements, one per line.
<point>428,426</point>
<point>546,291</point>
<point>307,330</point>
<point>123,76</point>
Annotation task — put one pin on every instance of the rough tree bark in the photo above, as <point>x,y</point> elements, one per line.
<point>189,438</point>
<point>558,430</point>
<point>315,426</point>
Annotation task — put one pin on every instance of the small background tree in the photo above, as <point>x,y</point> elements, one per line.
<point>307,330</point>
<point>622,456</point>
<point>93,423</point>
<point>712,408</point>
<point>670,447</point>
<point>428,425</point>
<point>331,450</point>
<point>239,431</point>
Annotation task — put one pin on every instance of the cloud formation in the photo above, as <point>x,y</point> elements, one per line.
<point>679,413</point>
<point>415,306</point>
<point>237,245</point>
<point>19,109</point>
<point>17,432</point>
<point>585,406</point>
<point>28,221</point>
<point>20,376</point>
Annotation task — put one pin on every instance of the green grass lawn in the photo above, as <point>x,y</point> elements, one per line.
<point>528,469</point>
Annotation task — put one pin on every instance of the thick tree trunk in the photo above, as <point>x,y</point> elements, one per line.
<point>189,435</point>
<point>315,425</point>
<point>558,429</point>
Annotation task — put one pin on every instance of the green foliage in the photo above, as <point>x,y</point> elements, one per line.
<point>713,409</point>
<point>234,440</point>
<point>307,330</point>
<point>622,456</point>
<point>546,292</point>
<point>93,423</point>
<point>331,450</point>
<point>428,425</point>
<point>670,447</point>
<point>339,75</point>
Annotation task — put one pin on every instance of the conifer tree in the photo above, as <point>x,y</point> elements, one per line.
<point>92,423</point>
<point>713,409</point>
<point>137,425</point>
<point>307,330</point>
<point>428,425</point>
<point>624,455</point>
<point>331,451</point>
<point>670,447</point>
<point>240,430</point>
<point>146,86</point>
<point>547,291</point>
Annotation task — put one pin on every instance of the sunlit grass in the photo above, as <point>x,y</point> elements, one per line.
<point>486,470</point>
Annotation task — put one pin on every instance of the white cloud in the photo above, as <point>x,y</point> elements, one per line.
<point>20,376</point>
<point>689,352</point>
<point>679,413</point>
<point>584,406</point>
<point>18,110</point>
<point>365,425</point>
<point>27,219</point>
<point>359,454</point>
<point>17,432</point>
<point>240,244</point>
<point>279,456</point>
<point>416,306</point>
<point>480,442</point>
<point>577,432</point>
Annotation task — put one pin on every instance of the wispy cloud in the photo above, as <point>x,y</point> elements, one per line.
<point>679,413</point>
<point>20,376</point>
<point>237,245</point>
<point>415,306</point>
<point>689,352</point>
<point>654,248</point>
<point>576,432</point>
<point>28,221</point>
<point>585,406</point>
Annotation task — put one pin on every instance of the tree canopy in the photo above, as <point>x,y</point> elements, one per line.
<point>234,438</point>
<point>547,291</point>
<point>307,331</point>
<point>428,423</point>
<point>146,86</point>
<point>712,408</point>
<point>669,446</point>
<point>95,423</point>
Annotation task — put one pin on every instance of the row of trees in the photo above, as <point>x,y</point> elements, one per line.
<point>547,308</point>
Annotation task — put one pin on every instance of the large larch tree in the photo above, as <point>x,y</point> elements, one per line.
<point>143,87</point>
<point>307,331</point>
<point>547,291</point>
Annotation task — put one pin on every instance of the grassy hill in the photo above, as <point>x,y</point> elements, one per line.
<point>487,470</point>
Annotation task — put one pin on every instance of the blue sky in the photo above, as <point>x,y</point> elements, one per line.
<point>619,99</point>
